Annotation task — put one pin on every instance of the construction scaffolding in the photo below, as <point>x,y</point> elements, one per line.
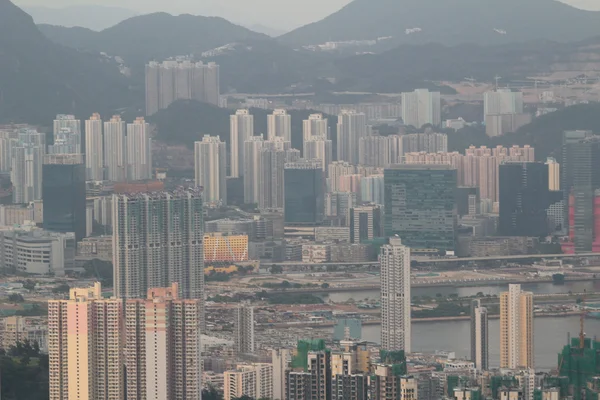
<point>300,359</point>
<point>580,364</point>
<point>502,381</point>
<point>557,382</point>
<point>397,359</point>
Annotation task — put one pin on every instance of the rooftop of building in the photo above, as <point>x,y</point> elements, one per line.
<point>158,195</point>
<point>422,167</point>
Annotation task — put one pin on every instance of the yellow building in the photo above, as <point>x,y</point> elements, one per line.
<point>219,247</point>
<point>553,174</point>
<point>84,346</point>
<point>516,328</point>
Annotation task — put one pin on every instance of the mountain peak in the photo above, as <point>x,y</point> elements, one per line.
<point>450,22</point>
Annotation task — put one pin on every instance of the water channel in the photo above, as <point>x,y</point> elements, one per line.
<point>550,333</point>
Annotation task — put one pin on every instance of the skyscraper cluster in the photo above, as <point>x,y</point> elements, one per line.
<point>147,348</point>
<point>67,135</point>
<point>27,156</point>
<point>428,142</point>
<point>273,157</point>
<point>478,167</point>
<point>118,151</point>
<point>359,153</point>
<point>319,373</point>
<point>174,80</point>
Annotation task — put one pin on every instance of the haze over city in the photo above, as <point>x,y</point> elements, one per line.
<point>282,15</point>
<point>299,200</point>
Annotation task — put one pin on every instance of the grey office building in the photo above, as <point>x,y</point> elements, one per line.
<point>479,336</point>
<point>420,205</point>
<point>304,192</point>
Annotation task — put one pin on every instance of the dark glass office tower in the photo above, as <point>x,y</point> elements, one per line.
<point>420,205</point>
<point>580,179</point>
<point>304,192</point>
<point>524,199</point>
<point>63,194</point>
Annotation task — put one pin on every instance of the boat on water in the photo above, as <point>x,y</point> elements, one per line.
<point>593,310</point>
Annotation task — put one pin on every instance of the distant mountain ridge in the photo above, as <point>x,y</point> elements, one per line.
<point>39,79</point>
<point>93,17</point>
<point>155,36</point>
<point>451,22</point>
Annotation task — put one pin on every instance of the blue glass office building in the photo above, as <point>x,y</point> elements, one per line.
<point>420,205</point>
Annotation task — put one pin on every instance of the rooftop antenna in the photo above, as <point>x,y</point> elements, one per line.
<point>497,78</point>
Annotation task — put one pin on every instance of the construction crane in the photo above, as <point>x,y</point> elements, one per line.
<point>582,321</point>
<point>584,312</point>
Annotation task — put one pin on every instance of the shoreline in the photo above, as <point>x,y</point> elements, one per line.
<point>328,324</point>
<point>491,282</point>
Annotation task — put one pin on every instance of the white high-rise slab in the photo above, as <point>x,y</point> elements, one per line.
<point>279,124</point>
<point>421,107</point>
<point>210,164</point>
<point>94,149</point>
<point>241,129</point>
<point>395,296</point>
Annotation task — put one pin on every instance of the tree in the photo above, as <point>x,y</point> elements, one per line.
<point>24,376</point>
<point>100,270</point>
<point>15,298</point>
<point>62,288</point>
<point>286,284</point>
<point>276,269</point>
<point>34,311</point>
<point>29,285</point>
<point>558,279</point>
<point>244,397</point>
<point>211,394</point>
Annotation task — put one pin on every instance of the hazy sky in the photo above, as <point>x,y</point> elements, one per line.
<point>274,13</point>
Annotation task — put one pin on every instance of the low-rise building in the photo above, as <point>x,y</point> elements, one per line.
<point>16,214</point>
<point>339,234</point>
<point>17,329</point>
<point>223,247</point>
<point>253,380</point>
<point>25,248</point>
<point>350,253</point>
<point>98,247</point>
<point>316,253</point>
